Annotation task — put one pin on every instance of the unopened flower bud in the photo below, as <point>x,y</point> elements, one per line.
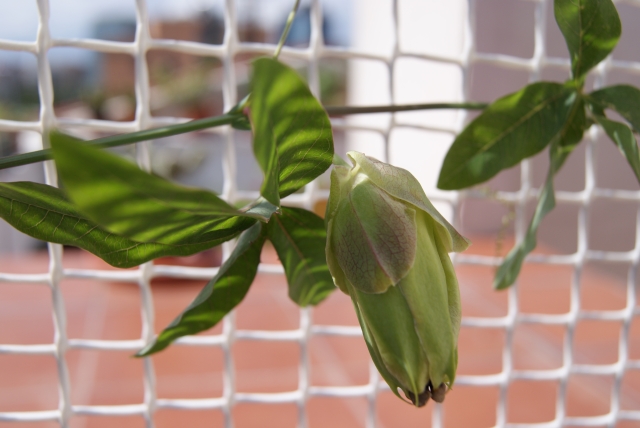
<point>387,248</point>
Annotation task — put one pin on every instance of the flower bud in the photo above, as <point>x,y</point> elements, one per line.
<point>387,248</point>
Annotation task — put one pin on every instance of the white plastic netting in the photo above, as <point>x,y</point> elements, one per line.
<point>501,381</point>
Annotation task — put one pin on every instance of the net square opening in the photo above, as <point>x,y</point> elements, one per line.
<point>612,225</point>
<point>478,297</point>
<point>187,372</point>
<point>489,81</point>
<point>105,378</point>
<point>596,342</point>
<point>545,289</point>
<point>200,22</point>
<point>183,85</point>
<point>611,168</point>
<point>538,346</point>
<point>603,286</point>
<point>98,19</point>
<point>480,351</point>
<point>588,395</point>
<point>92,85</point>
<point>101,310</point>
<point>19,97</point>
<point>26,314</point>
<point>470,406</point>
<point>531,401</point>
<point>505,27</point>
<point>266,366</point>
<point>28,383</point>
<point>339,361</point>
<point>19,21</point>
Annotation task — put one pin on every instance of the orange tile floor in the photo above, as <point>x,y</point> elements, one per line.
<point>102,310</point>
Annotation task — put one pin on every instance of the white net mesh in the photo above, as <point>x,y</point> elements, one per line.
<point>503,381</point>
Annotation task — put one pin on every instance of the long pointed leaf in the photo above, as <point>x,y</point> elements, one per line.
<point>300,238</point>
<point>510,267</point>
<point>293,142</point>
<point>591,29</point>
<point>45,213</point>
<point>622,136</point>
<point>624,99</point>
<point>125,200</point>
<point>560,149</point>
<point>511,129</point>
<point>223,293</point>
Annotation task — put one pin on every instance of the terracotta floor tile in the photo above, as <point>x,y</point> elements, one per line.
<point>104,310</point>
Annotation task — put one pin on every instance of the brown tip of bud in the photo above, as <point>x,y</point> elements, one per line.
<point>438,393</point>
<point>423,397</point>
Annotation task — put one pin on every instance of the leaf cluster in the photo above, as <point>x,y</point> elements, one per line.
<point>548,114</point>
<point>126,216</point>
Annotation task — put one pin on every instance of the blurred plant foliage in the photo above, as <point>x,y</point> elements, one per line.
<point>548,114</point>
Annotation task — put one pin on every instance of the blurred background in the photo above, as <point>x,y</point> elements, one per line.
<point>516,366</point>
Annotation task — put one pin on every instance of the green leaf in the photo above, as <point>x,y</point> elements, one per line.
<point>577,122</point>
<point>223,293</point>
<point>300,239</point>
<point>125,200</point>
<point>623,99</point>
<point>511,129</point>
<point>293,142</point>
<point>45,213</point>
<point>560,148</point>
<point>510,267</point>
<point>623,137</point>
<point>591,29</point>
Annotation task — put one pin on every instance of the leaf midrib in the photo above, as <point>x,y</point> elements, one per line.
<point>495,141</point>
<point>90,223</point>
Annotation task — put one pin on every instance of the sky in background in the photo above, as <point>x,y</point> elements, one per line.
<point>76,18</point>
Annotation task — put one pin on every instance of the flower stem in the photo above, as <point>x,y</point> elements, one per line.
<point>287,27</point>
<point>124,139</point>
<point>225,119</point>
<point>342,110</point>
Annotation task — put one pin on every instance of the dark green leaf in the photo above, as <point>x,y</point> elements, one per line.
<point>623,99</point>
<point>511,129</point>
<point>591,29</point>
<point>574,128</point>
<point>510,267</point>
<point>560,148</point>
<point>623,137</point>
<point>45,213</point>
<point>118,196</point>
<point>300,238</point>
<point>223,293</point>
<point>293,142</point>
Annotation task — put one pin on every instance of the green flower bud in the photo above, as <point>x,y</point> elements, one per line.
<point>388,248</point>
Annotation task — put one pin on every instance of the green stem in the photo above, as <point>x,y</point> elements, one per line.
<point>341,110</point>
<point>225,119</point>
<point>124,139</point>
<point>287,27</point>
